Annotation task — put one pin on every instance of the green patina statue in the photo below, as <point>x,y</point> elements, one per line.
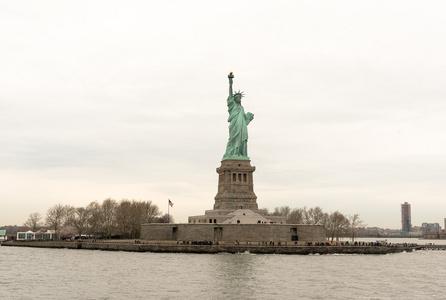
<point>237,147</point>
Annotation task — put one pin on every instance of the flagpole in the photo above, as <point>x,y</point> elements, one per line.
<point>168,211</point>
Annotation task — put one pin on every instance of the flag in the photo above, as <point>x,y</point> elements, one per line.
<point>170,203</point>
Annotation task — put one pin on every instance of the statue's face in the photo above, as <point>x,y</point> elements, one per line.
<point>238,98</point>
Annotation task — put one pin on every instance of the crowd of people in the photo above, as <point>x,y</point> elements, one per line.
<point>327,243</point>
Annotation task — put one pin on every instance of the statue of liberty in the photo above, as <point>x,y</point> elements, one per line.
<point>237,147</point>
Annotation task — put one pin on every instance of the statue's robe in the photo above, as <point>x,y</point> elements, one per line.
<point>237,147</point>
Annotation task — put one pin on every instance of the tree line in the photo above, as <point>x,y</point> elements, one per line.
<point>108,219</point>
<point>123,219</point>
<point>336,224</point>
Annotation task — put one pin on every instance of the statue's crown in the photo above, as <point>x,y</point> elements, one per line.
<point>239,93</point>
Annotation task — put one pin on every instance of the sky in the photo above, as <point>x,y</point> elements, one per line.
<point>127,100</point>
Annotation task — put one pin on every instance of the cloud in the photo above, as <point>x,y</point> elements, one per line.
<point>129,101</point>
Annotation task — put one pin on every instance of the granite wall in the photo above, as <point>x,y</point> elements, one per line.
<point>233,232</point>
<point>284,248</point>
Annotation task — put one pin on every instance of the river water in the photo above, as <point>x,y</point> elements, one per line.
<point>34,273</point>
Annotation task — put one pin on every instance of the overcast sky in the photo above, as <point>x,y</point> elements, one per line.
<point>127,99</point>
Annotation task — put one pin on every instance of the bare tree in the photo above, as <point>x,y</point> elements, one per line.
<point>267,212</point>
<point>123,218</point>
<point>78,218</point>
<point>296,216</point>
<point>336,225</point>
<point>55,217</point>
<point>282,211</point>
<point>33,222</point>
<point>104,219</point>
<point>94,218</point>
<point>315,216</point>
<point>69,215</point>
<point>142,212</point>
<point>355,223</point>
<point>108,216</point>
<point>302,215</point>
<point>164,219</point>
<point>136,211</point>
<point>149,212</point>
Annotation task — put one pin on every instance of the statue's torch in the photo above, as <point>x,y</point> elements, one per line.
<point>230,75</point>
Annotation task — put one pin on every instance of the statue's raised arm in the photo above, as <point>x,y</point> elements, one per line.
<point>230,76</point>
<point>237,147</point>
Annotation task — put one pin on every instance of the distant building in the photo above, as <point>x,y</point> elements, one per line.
<point>430,227</point>
<point>406,220</point>
<point>29,235</point>
<point>40,235</point>
<point>434,235</point>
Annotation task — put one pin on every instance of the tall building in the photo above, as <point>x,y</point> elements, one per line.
<point>405,217</point>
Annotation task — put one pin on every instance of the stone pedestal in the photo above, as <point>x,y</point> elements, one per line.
<point>235,186</point>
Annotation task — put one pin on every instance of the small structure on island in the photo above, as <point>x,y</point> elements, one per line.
<point>235,216</point>
<point>42,235</point>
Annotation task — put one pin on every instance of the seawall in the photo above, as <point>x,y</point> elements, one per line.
<point>211,249</point>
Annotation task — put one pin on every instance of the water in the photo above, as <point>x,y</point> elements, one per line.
<point>32,273</point>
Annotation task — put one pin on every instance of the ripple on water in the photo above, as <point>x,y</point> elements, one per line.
<point>29,273</point>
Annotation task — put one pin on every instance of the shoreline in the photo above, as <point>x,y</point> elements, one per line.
<point>214,249</point>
